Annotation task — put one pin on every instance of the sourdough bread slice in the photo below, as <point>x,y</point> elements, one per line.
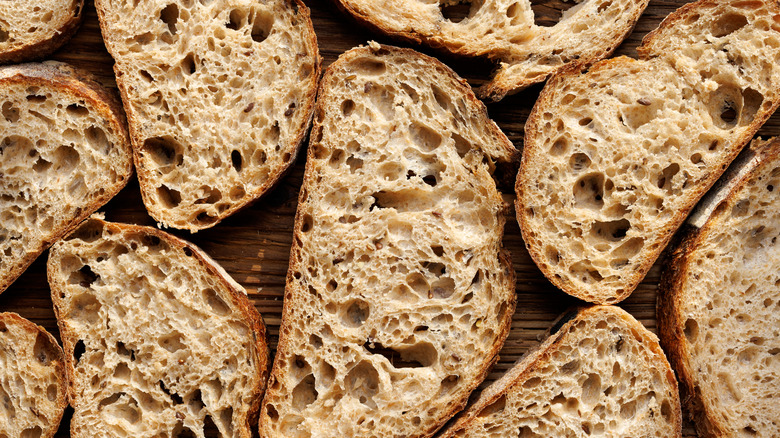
<point>718,307</point>
<point>159,340</point>
<point>64,152</point>
<point>504,30</point>
<point>33,386</point>
<point>600,372</point>
<point>34,29</point>
<point>219,95</point>
<point>615,158</point>
<point>399,294</point>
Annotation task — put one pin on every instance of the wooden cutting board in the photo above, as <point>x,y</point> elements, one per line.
<point>254,245</point>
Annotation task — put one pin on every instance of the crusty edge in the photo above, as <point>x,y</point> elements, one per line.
<point>670,290</point>
<point>62,377</point>
<point>80,84</point>
<point>530,361</point>
<point>531,144</point>
<point>273,180</point>
<point>303,198</point>
<point>237,295</point>
<point>41,49</point>
<point>680,14</point>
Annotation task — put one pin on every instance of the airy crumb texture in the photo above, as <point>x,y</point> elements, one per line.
<point>615,158</point>
<point>32,380</point>
<point>64,152</point>
<point>399,294</point>
<point>719,310</point>
<point>505,30</point>
<point>159,341</point>
<point>218,95</point>
<point>34,29</point>
<point>600,373</point>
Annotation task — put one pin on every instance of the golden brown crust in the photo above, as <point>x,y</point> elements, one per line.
<point>296,260</point>
<point>541,354</point>
<point>670,299</point>
<point>43,48</point>
<point>55,351</point>
<point>135,124</point>
<point>80,84</point>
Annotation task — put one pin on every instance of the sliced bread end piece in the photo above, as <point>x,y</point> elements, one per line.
<point>219,97</point>
<point>158,339</point>
<point>33,385</point>
<point>65,152</point>
<point>34,29</point>
<point>600,372</point>
<point>718,302</point>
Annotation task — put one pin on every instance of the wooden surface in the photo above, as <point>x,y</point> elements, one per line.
<point>253,245</point>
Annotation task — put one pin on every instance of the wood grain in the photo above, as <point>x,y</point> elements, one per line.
<point>254,245</point>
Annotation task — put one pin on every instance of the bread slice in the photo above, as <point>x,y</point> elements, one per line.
<point>600,372</point>
<point>64,152</point>
<point>218,96</point>
<point>504,30</point>
<point>718,306</point>
<point>32,379</point>
<point>399,294</point>
<point>34,29</point>
<point>616,157</point>
<point>159,340</point>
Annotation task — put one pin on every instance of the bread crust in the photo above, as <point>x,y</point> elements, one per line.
<point>284,347</point>
<point>79,84</point>
<point>10,318</point>
<point>539,355</point>
<point>42,48</point>
<point>671,299</point>
<point>534,140</point>
<point>237,296</point>
<point>135,124</point>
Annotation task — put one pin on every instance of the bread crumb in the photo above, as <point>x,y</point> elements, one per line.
<point>374,46</point>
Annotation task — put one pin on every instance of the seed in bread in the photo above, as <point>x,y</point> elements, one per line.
<point>719,305</point>
<point>218,94</point>
<point>33,388</point>
<point>34,29</point>
<point>64,152</point>
<point>615,158</point>
<point>505,30</point>
<point>158,339</point>
<point>399,294</point>
<point>599,373</point>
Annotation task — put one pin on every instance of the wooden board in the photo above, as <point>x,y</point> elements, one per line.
<point>254,245</point>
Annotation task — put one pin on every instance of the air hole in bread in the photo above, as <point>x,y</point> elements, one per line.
<point>204,218</point>
<point>304,393</point>
<point>172,342</point>
<point>585,273</point>
<point>406,200</point>
<point>4,35</point>
<point>728,24</point>
<point>611,231</point>
<point>210,429</point>
<point>560,146</point>
<point>426,138</point>
<point>77,110</point>
<point>665,179</point>
<point>354,163</point>
<point>33,432</point>
<point>170,15</point>
<point>168,197</point>
<point>215,302</point>
<point>458,10</point>
<point>441,97</point>
<point>493,408</point>
<point>362,383</point>
<point>419,355</point>
<point>271,412</point>
<point>164,152</point>
<point>589,191</point>
<point>10,112</point>
<point>78,350</point>
<point>369,67</point>
<point>347,107</point>
<point>548,13</point>
<point>34,98</point>
<point>356,313</point>
<point>578,161</point>
<point>188,64</point>
<point>262,24</point>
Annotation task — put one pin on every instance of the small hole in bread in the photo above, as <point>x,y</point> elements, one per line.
<point>4,35</point>
<point>304,393</point>
<point>455,11</point>
<point>728,24</point>
<point>10,112</point>
<point>79,350</point>
<point>589,191</point>
<point>170,15</point>
<point>77,110</point>
<point>168,197</point>
<point>262,24</point>
<point>548,13</point>
<point>237,160</point>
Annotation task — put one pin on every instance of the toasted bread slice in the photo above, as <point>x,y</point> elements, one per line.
<point>504,30</point>
<point>34,29</point>
<point>399,294</point>
<point>616,158</point>
<point>219,96</point>
<point>159,340</point>
<point>33,386</point>
<point>64,152</point>
<point>600,372</point>
<point>718,306</point>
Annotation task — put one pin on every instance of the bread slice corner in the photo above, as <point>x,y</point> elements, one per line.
<point>33,382</point>
<point>32,30</point>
